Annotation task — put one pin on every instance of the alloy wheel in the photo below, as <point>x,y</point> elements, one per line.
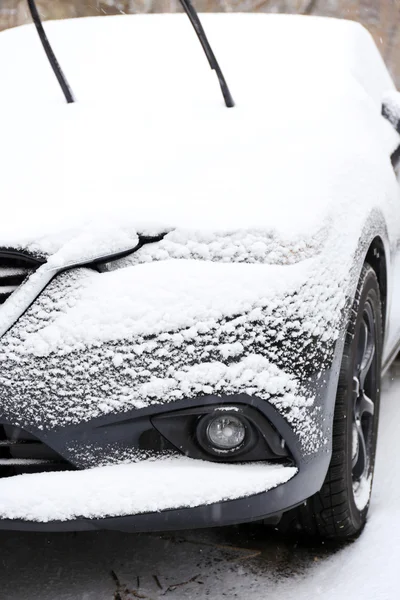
<point>364,395</point>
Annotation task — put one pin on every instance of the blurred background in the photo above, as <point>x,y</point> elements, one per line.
<point>381,17</point>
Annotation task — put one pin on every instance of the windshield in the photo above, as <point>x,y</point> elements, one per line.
<point>199,299</point>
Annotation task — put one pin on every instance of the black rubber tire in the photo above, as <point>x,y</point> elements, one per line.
<point>332,512</point>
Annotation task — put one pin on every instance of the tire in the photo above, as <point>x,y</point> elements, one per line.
<point>339,510</point>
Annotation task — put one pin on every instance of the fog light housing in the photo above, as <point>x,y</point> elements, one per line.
<point>223,432</point>
<point>226,432</point>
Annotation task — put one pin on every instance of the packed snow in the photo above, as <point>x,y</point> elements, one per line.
<point>148,486</point>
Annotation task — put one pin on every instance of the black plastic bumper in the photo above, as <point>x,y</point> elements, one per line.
<point>311,473</point>
<point>252,508</point>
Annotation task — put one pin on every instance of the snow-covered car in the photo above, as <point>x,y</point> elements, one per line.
<point>199,294</point>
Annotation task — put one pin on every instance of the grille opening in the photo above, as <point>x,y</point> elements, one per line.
<point>21,452</point>
<point>14,270</point>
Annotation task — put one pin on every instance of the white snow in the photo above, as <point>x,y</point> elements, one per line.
<point>148,486</point>
<point>252,375</point>
<point>126,159</point>
<point>240,245</point>
<point>157,297</point>
<point>362,493</point>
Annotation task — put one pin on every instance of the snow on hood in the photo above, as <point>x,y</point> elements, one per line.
<point>137,156</point>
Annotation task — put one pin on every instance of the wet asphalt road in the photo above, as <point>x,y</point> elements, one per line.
<point>234,563</point>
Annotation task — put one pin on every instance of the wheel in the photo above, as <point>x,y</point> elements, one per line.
<point>339,510</point>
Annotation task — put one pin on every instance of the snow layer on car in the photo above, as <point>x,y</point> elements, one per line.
<point>95,343</point>
<point>160,297</point>
<point>174,329</point>
<point>121,158</point>
<point>149,486</point>
<point>295,187</point>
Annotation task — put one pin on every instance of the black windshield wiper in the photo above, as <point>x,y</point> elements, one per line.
<point>197,26</point>
<point>49,52</point>
<point>201,34</point>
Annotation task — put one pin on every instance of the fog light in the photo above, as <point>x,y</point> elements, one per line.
<point>226,432</point>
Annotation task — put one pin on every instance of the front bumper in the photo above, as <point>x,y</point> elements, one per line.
<point>144,488</point>
<point>205,494</point>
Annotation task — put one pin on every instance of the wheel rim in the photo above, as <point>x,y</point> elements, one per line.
<point>364,397</point>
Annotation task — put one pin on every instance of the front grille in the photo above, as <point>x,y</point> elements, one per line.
<point>21,452</point>
<point>13,272</point>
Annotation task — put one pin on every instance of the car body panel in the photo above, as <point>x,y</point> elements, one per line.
<point>109,333</point>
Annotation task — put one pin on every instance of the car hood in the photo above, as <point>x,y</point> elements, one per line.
<point>90,190</point>
<point>85,180</point>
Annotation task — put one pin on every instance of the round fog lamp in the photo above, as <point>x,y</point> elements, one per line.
<point>226,432</point>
